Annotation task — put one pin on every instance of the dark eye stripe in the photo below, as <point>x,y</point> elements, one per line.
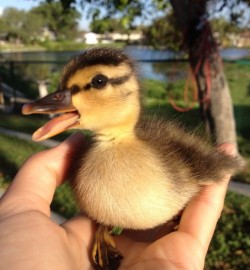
<point>87,87</point>
<point>74,89</point>
<point>119,80</point>
<point>114,81</point>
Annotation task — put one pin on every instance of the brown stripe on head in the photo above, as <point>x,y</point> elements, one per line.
<point>96,56</point>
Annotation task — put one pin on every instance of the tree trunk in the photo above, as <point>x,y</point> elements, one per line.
<point>214,96</point>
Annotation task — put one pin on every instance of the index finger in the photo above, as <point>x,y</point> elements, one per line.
<point>35,183</point>
<point>202,213</point>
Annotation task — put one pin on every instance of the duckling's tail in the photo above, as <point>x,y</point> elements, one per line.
<point>219,164</point>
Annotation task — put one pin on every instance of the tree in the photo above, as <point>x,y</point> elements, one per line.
<point>224,30</point>
<point>102,26</point>
<point>27,26</point>
<point>63,23</point>
<point>21,25</point>
<point>32,27</point>
<point>13,20</point>
<point>163,33</point>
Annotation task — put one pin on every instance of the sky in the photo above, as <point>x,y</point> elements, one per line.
<point>28,4</point>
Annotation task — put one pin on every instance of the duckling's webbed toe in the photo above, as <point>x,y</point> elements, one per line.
<point>104,254</point>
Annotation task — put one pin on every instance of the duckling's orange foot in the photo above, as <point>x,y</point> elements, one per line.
<point>104,254</point>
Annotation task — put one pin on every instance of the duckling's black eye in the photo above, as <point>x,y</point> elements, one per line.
<point>99,81</point>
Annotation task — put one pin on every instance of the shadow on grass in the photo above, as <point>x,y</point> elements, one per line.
<point>8,168</point>
<point>19,122</point>
<point>190,119</point>
<point>242,116</point>
<point>28,124</point>
<point>13,152</point>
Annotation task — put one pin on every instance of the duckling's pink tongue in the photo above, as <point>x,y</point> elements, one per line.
<point>56,125</point>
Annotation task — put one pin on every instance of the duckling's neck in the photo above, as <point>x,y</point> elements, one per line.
<point>115,134</point>
<point>123,127</point>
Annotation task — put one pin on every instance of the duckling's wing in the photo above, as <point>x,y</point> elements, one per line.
<point>185,154</point>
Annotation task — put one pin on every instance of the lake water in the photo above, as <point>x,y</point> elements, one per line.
<point>151,62</point>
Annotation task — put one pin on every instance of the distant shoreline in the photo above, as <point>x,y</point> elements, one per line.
<point>22,49</point>
<point>53,46</point>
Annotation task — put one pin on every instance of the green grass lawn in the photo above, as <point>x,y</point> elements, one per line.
<point>230,247</point>
<point>13,152</point>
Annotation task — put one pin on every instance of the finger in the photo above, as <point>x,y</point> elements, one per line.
<point>35,183</point>
<point>202,213</point>
<point>229,149</point>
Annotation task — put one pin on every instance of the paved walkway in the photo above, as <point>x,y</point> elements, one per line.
<point>237,187</point>
<point>241,188</point>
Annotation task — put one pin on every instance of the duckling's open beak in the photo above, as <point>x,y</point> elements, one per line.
<point>58,102</point>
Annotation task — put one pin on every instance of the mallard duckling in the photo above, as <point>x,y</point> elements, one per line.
<point>136,174</point>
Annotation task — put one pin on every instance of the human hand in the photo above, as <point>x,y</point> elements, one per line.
<point>30,240</point>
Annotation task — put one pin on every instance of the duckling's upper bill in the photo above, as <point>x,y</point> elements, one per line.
<point>59,102</point>
<point>98,91</point>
